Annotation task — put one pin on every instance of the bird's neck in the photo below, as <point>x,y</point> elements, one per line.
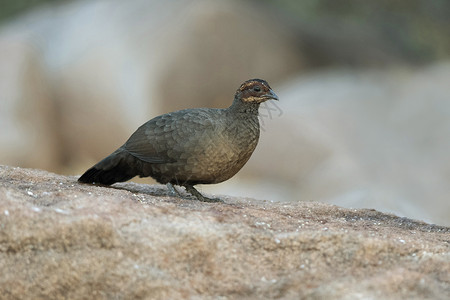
<point>239,107</point>
<point>243,121</point>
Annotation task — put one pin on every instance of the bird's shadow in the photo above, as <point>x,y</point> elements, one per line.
<point>156,190</point>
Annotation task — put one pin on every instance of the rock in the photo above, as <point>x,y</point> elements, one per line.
<point>107,67</point>
<point>28,116</point>
<point>61,239</point>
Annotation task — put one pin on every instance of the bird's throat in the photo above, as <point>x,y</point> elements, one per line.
<point>239,107</point>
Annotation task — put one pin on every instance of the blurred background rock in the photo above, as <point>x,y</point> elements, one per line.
<point>363,119</point>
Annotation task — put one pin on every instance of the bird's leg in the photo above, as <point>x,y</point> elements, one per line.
<point>173,192</point>
<point>200,197</point>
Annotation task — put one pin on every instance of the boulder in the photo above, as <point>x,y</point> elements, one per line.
<point>61,239</point>
<point>80,77</point>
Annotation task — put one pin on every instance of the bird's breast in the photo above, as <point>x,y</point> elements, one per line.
<point>209,154</point>
<point>224,152</point>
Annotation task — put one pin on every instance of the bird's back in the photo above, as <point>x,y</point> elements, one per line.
<point>194,145</point>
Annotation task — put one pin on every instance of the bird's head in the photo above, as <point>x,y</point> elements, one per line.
<point>255,91</point>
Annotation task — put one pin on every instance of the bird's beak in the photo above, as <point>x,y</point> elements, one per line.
<point>271,95</point>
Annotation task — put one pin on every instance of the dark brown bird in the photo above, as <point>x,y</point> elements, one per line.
<point>190,146</point>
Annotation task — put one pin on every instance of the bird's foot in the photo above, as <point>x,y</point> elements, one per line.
<point>190,189</point>
<point>173,192</point>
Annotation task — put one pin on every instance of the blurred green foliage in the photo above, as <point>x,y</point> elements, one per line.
<point>419,29</point>
<point>11,8</point>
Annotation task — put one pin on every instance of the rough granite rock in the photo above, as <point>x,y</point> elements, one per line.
<point>60,239</point>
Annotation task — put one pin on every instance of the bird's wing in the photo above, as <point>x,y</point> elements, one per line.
<point>165,138</point>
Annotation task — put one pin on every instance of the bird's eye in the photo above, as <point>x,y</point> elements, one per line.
<point>257,89</point>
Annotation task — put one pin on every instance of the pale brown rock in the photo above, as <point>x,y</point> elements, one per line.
<point>62,239</point>
<point>113,65</point>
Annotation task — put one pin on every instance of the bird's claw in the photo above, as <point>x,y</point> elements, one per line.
<point>191,190</point>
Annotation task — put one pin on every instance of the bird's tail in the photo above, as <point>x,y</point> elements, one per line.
<point>117,167</point>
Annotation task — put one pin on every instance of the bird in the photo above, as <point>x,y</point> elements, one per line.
<point>189,146</point>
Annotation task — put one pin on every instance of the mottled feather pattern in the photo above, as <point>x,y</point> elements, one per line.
<point>190,146</point>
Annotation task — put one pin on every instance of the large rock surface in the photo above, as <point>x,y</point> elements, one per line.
<point>60,239</point>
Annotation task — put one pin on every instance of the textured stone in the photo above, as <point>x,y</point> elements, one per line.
<point>60,239</point>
